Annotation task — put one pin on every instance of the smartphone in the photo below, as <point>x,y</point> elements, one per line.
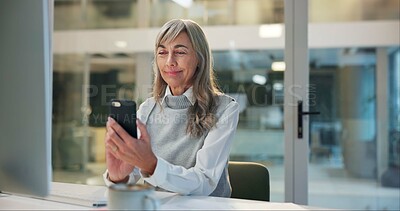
<point>124,112</point>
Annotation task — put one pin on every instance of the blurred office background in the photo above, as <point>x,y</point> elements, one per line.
<point>103,49</point>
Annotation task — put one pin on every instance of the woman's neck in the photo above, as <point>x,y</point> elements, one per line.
<point>176,91</point>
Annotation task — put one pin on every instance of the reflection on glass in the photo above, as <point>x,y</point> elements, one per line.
<point>392,173</point>
<point>78,128</point>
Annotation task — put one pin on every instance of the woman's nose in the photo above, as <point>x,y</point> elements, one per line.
<point>171,61</point>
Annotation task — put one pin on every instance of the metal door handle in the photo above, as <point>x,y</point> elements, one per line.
<point>300,114</point>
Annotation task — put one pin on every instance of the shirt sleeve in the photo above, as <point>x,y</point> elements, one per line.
<point>211,160</point>
<point>134,177</point>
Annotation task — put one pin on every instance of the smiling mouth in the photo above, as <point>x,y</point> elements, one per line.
<point>172,72</point>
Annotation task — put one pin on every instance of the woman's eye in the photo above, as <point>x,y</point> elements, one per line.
<point>180,52</point>
<point>162,53</point>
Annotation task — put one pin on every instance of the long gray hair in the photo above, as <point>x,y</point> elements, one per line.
<point>202,114</point>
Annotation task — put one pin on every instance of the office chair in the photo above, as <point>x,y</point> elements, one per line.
<point>249,180</point>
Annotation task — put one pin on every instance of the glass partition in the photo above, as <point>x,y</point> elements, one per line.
<point>111,14</point>
<point>394,115</point>
<point>84,80</point>
<point>344,144</point>
<point>248,76</point>
<point>323,11</point>
<point>82,86</point>
<point>342,166</point>
<point>95,14</point>
<point>351,163</point>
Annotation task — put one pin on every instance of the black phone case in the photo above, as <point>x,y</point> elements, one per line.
<point>124,112</point>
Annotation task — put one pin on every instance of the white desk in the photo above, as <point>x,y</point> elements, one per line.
<point>169,201</point>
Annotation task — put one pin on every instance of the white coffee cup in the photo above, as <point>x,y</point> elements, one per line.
<point>131,197</point>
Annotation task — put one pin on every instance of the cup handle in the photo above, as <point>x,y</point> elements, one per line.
<point>152,202</point>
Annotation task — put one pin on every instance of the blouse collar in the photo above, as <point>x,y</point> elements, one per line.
<point>188,94</point>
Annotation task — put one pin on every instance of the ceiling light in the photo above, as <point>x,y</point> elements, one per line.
<point>184,3</point>
<point>232,44</point>
<point>121,44</point>
<point>278,66</point>
<point>270,30</point>
<point>278,86</point>
<point>259,79</point>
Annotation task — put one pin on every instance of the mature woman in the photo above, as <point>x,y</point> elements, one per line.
<point>187,126</point>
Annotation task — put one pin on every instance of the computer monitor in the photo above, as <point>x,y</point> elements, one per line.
<point>25,96</point>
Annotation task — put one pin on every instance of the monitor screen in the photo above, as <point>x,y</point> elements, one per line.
<point>25,96</point>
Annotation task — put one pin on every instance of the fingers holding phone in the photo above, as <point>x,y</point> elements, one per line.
<point>121,126</point>
<point>122,137</point>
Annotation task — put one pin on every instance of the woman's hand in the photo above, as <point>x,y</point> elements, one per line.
<point>118,170</point>
<point>123,152</point>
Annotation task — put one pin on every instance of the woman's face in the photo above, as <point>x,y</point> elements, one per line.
<point>177,63</point>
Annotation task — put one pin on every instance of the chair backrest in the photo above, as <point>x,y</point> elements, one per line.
<point>249,180</point>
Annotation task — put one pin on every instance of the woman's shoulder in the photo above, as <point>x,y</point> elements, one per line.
<point>224,97</point>
<point>225,105</point>
<point>148,102</point>
<point>224,101</point>
<point>145,108</point>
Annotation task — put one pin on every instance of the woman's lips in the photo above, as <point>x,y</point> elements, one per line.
<point>172,73</point>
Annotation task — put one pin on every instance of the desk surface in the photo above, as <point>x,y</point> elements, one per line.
<point>168,201</point>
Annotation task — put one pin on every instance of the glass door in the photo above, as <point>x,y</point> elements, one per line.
<point>346,157</point>
<point>353,81</point>
<point>352,144</point>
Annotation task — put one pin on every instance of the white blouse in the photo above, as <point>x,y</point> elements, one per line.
<point>211,159</point>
